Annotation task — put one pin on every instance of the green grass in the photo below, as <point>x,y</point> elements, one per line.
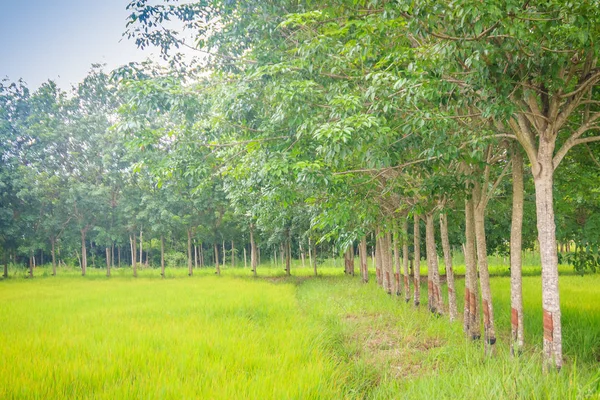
<point>274,337</point>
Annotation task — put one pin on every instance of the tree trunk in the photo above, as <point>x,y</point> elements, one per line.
<point>387,262</point>
<point>309,253</point>
<point>417,261</point>
<point>134,254</point>
<point>108,261</point>
<point>378,258</point>
<point>364,266</point>
<point>484,274</point>
<point>201,255</point>
<point>162,256</point>
<point>245,258</point>
<point>452,308</point>
<point>195,256</point>
<point>405,258</point>
<point>253,252</point>
<point>112,254</point>
<point>119,255</point>
<point>471,321</point>
<point>217,266</point>
<point>141,245</point>
<point>232,254</point>
<point>349,260</point>
<point>544,202</point>
<point>398,268</point>
<point>437,305</point>
<point>314,258</point>
<point>83,253</point>
<point>302,256</point>
<point>53,252</point>
<point>288,255</point>
<point>189,252</point>
<point>224,255</point>
<point>516,286</point>
<point>31,261</point>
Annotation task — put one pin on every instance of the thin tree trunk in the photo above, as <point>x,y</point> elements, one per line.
<point>349,260</point>
<point>217,266</point>
<point>224,255</point>
<point>436,305</point>
<point>314,258</point>
<point>288,255</point>
<point>112,254</point>
<point>378,258</point>
<point>195,256</point>
<point>484,274</point>
<point>453,310</point>
<point>53,252</point>
<point>108,261</point>
<point>516,286</point>
<point>141,245</point>
<point>253,252</point>
<point>417,261</point>
<point>201,255</point>
<point>398,268</point>
<point>83,253</point>
<point>31,261</point>
<point>189,252</point>
<point>405,259</point>
<point>302,256</point>
<point>275,255</point>
<point>119,255</point>
<point>232,254</point>
<point>471,320</point>
<point>162,256</point>
<point>362,253</point>
<point>309,253</point>
<point>387,262</point>
<point>134,254</point>
<point>544,201</point>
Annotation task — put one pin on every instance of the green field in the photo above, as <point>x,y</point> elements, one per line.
<point>273,337</point>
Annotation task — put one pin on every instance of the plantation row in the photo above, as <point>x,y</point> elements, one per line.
<point>402,130</point>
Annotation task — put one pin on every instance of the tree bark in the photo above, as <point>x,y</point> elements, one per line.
<point>253,252</point>
<point>232,254</point>
<point>217,266</point>
<point>362,252</point>
<point>437,305</point>
<point>516,286</point>
<point>119,255</point>
<point>302,255</point>
<point>398,268</point>
<point>53,252</point>
<point>378,258</point>
<point>314,258</point>
<point>417,261</point>
<point>141,245</point>
<point>544,202</point>
<point>195,256</point>
<point>83,253</point>
<point>480,202</point>
<point>162,256</point>
<point>108,261</point>
<point>288,254</point>
<point>31,261</point>
<point>405,258</point>
<point>452,308</point>
<point>189,252</point>
<point>471,321</point>
<point>387,262</point>
<point>134,254</point>
<point>224,255</point>
<point>309,252</point>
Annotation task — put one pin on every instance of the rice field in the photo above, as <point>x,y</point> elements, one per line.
<point>273,337</point>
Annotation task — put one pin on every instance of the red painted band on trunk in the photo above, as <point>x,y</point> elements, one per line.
<point>548,326</point>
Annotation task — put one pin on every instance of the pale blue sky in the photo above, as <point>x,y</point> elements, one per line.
<point>60,39</point>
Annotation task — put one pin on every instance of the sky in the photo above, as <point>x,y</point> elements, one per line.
<point>61,39</point>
